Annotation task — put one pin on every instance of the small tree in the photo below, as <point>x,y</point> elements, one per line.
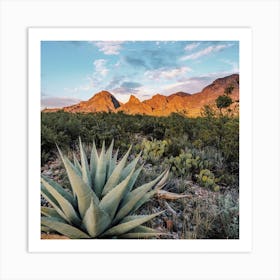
<point>223,101</point>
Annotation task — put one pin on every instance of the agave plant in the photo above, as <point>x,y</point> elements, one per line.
<point>102,200</point>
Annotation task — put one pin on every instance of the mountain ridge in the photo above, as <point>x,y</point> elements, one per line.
<point>158,104</point>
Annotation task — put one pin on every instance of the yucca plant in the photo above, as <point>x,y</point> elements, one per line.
<point>102,200</point>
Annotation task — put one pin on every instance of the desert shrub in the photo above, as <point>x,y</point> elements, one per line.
<point>227,220</point>
<point>207,179</point>
<point>153,150</point>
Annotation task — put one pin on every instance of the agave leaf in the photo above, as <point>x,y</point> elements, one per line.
<point>46,229</point>
<point>162,182</point>
<point>127,226</point>
<point>131,218</point>
<point>116,175</point>
<point>64,204</point>
<point>144,229</point>
<point>84,163</point>
<point>83,192</point>
<point>130,166</point>
<point>50,212</point>
<point>100,175</point>
<point>96,220</point>
<point>77,164</point>
<point>144,199</point>
<point>151,193</point>
<point>133,197</point>
<point>145,186</point>
<point>110,202</point>
<point>133,179</point>
<point>113,164</point>
<point>93,161</point>
<point>108,157</point>
<point>60,189</point>
<point>52,201</point>
<point>65,229</point>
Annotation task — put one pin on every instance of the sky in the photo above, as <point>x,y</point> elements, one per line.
<point>72,71</point>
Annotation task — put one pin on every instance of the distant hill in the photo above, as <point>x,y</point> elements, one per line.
<point>158,105</point>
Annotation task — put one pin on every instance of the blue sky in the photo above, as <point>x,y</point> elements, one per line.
<point>75,70</point>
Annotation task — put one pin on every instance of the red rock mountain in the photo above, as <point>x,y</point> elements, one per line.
<point>159,105</point>
<point>103,101</point>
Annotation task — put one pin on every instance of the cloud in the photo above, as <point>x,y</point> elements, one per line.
<point>58,102</point>
<point>152,59</point>
<point>135,61</point>
<point>205,51</point>
<point>109,47</point>
<point>127,87</point>
<point>191,46</point>
<point>161,73</point>
<point>100,67</point>
<point>131,84</point>
<point>193,84</point>
<point>115,82</point>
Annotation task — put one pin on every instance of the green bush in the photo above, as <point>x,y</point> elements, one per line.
<point>154,150</point>
<point>207,179</point>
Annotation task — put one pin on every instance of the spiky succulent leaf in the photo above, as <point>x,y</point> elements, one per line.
<point>60,189</point>
<point>133,179</point>
<point>116,174</point>
<point>93,161</point>
<point>144,199</point>
<point>108,156</point>
<point>133,197</point>
<point>63,228</point>
<point>130,166</point>
<point>127,226</point>
<point>100,175</point>
<point>83,192</point>
<point>52,201</point>
<point>96,220</point>
<point>46,229</point>
<point>64,204</point>
<point>146,186</point>
<point>163,180</point>
<point>77,164</point>
<point>110,202</point>
<point>50,212</point>
<point>113,164</point>
<point>84,165</point>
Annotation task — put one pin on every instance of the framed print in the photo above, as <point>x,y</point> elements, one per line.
<point>142,138</point>
<point>57,54</point>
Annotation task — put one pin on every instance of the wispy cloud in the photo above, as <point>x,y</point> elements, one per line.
<point>100,67</point>
<point>161,73</point>
<point>206,51</point>
<point>191,46</point>
<point>131,84</point>
<point>127,88</point>
<point>109,47</point>
<point>193,84</point>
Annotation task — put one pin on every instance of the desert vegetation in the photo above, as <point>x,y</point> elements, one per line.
<point>200,196</point>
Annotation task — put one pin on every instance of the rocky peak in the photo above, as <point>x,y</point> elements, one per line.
<point>133,99</point>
